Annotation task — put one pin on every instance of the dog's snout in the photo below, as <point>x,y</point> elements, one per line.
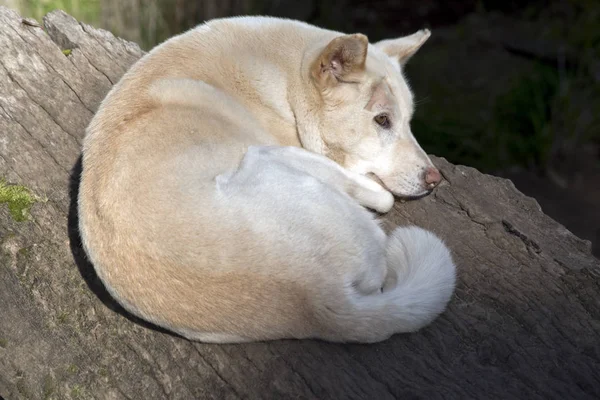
<point>432,177</point>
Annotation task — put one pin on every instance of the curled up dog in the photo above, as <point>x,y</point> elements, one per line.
<point>226,182</point>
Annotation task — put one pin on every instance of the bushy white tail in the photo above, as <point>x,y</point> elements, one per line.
<point>426,277</point>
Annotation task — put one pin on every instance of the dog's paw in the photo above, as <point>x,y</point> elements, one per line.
<point>384,202</point>
<point>370,193</point>
<point>379,200</point>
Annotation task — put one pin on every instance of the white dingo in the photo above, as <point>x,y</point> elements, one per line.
<point>224,178</point>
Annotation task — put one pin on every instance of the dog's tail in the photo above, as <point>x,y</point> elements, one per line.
<point>425,277</point>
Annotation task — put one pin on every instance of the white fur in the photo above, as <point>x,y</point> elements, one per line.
<point>425,278</point>
<point>224,181</point>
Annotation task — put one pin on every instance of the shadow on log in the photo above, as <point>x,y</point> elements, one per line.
<point>86,269</point>
<point>524,323</point>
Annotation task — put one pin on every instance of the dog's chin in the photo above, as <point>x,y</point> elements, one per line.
<point>418,196</point>
<point>399,194</point>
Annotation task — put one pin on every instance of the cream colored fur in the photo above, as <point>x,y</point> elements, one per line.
<point>224,178</point>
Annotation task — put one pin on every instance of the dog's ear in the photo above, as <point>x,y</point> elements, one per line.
<point>343,60</point>
<point>402,49</point>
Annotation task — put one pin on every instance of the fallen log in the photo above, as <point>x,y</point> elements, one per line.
<point>524,322</point>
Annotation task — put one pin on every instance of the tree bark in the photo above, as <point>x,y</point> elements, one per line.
<point>524,323</point>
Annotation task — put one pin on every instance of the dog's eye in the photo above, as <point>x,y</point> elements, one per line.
<point>383,120</point>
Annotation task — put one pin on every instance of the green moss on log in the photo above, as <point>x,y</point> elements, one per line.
<point>19,200</point>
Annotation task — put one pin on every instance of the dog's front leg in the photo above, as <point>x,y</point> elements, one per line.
<point>365,191</point>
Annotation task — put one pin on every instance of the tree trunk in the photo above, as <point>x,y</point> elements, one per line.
<point>524,323</point>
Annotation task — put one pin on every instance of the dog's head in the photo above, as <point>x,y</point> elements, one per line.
<point>365,111</point>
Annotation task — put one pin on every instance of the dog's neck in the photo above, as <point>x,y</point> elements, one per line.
<point>273,80</point>
<point>304,100</point>
<point>289,99</point>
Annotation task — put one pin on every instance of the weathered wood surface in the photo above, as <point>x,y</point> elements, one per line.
<point>525,321</point>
